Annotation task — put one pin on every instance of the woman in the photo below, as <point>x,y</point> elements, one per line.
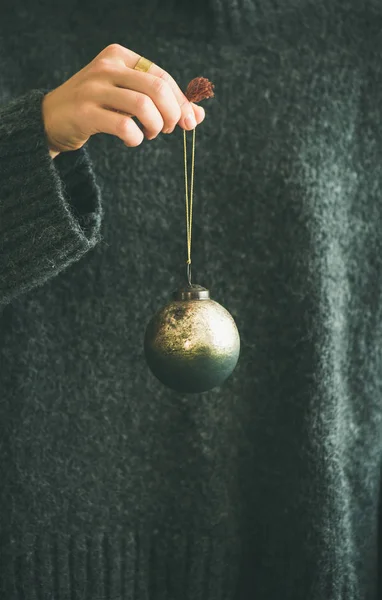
<point>113,486</point>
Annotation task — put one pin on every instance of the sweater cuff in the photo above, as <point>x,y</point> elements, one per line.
<point>50,210</point>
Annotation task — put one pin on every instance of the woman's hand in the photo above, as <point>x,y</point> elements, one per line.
<point>105,95</point>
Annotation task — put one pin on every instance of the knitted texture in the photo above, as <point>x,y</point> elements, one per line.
<point>268,488</point>
<point>48,218</point>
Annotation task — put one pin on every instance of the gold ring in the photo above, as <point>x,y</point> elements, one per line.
<point>143,64</point>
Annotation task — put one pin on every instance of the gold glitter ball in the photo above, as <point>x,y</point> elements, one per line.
<point>192,344</point>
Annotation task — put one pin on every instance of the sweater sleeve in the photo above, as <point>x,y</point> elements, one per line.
<point>50,210</point>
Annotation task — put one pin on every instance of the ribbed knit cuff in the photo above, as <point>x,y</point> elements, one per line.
<point>50,210</point>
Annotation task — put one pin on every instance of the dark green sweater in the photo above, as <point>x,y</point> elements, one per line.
<point>112,486</point>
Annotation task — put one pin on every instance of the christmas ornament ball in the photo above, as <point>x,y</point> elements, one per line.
<point>192,344</point>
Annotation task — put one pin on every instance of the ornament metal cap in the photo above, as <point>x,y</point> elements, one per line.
<point>191,292</point>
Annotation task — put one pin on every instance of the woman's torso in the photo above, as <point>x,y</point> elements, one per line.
<point>268,486</point>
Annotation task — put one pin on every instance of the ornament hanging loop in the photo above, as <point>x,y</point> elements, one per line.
<point>189,200</point>
<point>198,89</point>
<point>188,269</point>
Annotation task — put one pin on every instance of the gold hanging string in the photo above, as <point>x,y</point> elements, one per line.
<point>189,198</point>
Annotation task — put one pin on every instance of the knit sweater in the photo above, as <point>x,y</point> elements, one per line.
<point>114,487</point>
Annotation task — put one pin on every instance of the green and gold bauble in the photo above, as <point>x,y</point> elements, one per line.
<point>192,344</point>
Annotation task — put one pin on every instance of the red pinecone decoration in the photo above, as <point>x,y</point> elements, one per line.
<point>199,89</point>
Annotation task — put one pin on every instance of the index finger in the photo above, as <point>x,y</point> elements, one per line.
<point>185,105</point>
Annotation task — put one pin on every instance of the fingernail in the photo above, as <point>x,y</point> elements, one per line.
<point>190,121</point>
